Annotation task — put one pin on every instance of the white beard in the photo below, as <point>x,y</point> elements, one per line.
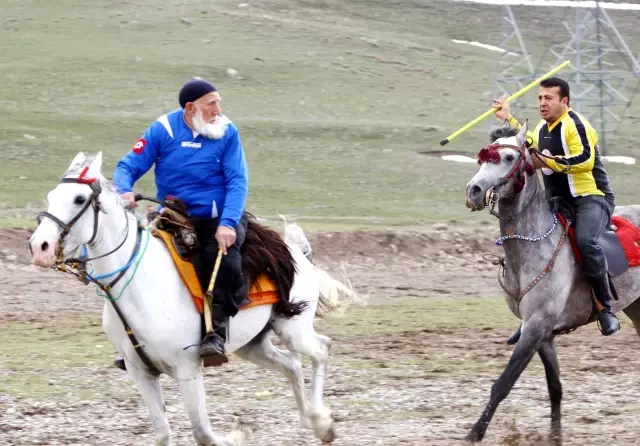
<point>214,130</point>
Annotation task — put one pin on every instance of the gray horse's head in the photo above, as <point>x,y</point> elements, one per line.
<point>503,165</point>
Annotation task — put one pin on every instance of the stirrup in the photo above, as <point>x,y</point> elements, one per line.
<point>214,361</point>
<point>212,356</point>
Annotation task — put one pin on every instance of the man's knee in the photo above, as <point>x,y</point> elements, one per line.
<point>588,246</point>
<point>593,259</point>
<point>231,269</point>
<point>231,262</point>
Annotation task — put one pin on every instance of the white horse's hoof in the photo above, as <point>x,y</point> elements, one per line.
<point>322,422</point>
<point>240,432</point>
<point>329,436</point>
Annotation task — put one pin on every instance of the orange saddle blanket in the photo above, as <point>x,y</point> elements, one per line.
<point>262,292</point>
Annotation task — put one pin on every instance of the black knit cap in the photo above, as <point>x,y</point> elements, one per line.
<point>193,90</point>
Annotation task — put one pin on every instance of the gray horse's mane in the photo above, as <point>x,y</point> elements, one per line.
<point>502,132</point>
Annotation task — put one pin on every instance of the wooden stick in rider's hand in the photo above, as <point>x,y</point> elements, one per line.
<point>215,272</point>
<point>208,319</point>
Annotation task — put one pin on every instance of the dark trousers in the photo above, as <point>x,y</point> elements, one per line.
<point>592,215</point>
<point>229,288</point>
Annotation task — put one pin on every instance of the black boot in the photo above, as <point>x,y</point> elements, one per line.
<point>609,323</point>
<point>119,362</point>
<point>212,346</point>
<point>515,337</point>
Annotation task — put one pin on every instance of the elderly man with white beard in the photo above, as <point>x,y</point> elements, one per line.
<point>199,159</point>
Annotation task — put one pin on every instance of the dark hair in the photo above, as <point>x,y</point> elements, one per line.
<point>560,83</point>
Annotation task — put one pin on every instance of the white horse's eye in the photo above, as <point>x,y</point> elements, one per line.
<point>509,158</point>
<point>80,200</point>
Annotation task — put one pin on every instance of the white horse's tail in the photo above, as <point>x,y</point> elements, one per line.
<point>335,297</point>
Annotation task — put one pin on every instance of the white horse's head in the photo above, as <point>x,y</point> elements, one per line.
<point>503,165</point>
<point>72,215</point>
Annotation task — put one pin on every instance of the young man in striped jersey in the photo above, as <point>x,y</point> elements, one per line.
<point>575,174</point>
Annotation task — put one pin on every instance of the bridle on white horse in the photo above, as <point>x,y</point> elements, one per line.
<point>78,266</point>
<point>94,201</point>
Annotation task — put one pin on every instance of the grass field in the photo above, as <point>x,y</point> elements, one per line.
<point>54,361</point>
<point>333,99</point>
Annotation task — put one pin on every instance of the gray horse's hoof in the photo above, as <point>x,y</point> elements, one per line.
<point>475,436</point>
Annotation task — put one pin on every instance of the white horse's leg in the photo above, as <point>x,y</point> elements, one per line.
<point>193,395</point>
<point>262,352</point>
<point>299,336</point>
<point>151,392</point>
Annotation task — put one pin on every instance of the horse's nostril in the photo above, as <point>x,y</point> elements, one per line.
<point>475,190</point>
<point>44,246</point>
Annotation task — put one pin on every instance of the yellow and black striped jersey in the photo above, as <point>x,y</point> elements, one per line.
<point>571,138</point>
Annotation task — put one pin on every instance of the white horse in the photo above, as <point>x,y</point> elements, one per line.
<point>159,309</point>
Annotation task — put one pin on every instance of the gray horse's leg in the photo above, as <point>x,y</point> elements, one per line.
<point>633,312</point>
<point>549,358</point>
<point>529,344</point>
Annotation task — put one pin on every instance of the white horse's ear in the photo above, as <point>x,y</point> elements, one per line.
<point>77,161</point>
<point>521,137</point>
<point>96,166</point>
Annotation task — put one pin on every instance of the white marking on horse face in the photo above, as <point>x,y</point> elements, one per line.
<point>490,174</point>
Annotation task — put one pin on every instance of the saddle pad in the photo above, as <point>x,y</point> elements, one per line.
<point>262,292</point>
<point>629,236</point>
<point>622,247</point>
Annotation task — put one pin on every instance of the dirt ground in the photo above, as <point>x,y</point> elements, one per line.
<point>390,398</point>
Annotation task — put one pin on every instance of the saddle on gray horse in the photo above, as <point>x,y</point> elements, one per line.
<point>616,255</point>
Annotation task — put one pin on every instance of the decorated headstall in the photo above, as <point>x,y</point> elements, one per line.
<point>491,154</point>
<point>94,200</point>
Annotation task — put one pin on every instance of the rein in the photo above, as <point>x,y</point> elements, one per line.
<point>77,266</point>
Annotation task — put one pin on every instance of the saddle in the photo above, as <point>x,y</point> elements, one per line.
<point>620,240</point>
<point>179,236</point>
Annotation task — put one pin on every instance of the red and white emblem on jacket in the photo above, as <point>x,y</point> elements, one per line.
<point>139,146</point>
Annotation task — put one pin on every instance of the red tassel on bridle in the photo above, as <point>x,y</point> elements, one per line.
<point>83,179</point>
<point>491,154</point>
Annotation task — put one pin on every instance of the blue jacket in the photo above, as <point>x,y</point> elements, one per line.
<point>209,175</point>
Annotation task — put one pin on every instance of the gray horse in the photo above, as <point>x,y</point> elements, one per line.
<point>543,281</point>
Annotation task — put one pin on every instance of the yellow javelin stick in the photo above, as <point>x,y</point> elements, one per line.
<point>509,99</point>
